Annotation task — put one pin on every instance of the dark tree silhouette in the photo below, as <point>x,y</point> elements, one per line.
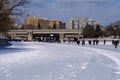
<point>109,30</point>
<point>88,31</point>
<point>9,8</point>
<point>98,31</point>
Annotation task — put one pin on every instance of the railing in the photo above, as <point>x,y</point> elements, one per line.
<point>101,39</point>
<point>45,30</point>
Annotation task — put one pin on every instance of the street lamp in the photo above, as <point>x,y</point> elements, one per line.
<point>51,37</point>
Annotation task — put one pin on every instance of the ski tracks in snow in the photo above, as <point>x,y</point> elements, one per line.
<point>71,62</point>
<point>114,56</point>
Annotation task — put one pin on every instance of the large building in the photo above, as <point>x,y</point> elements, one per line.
<point>37,22</point>
<point>55,24</point>
<point>31,22</point>
<point>49,24</point>
<point>79,23</point>
<point>43,24</point>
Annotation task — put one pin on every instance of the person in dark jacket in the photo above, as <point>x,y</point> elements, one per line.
<point>78,42</point>
<point>83,42</point>
<point>104,41</point>
<point>116,43</point>
<point>97,41</point>
<point>90,42</point>
<point>94,42</point>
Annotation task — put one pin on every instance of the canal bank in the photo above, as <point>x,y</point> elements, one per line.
<point>3,39</point>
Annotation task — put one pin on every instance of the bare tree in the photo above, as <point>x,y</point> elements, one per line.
<point>110,30</point>
<point>10,8</point>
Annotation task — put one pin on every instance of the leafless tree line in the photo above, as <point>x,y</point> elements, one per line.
<point>9,8</point>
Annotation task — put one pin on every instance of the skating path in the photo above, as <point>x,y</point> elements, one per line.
<point>44,61</point>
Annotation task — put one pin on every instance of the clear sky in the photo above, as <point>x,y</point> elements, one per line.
<point>103,11</point>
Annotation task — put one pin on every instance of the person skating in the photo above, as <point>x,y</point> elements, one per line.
<point>116,43</point>
<point>78,42</point>
<point>104,41</point>
<point>90,42</point>
<point>83,42</point>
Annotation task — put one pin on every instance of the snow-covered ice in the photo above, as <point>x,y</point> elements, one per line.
<point>47,61</point>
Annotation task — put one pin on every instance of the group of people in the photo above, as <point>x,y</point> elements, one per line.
<point>115,43</point>
<point>96,42</point>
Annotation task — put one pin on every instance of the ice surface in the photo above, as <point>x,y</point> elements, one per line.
<point>47,61</point>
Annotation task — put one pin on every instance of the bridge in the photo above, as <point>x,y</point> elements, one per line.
<point>31,34</point>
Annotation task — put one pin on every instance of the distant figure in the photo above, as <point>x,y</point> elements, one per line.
<point>113,42</point>
<point>116,43</point>
<point>83,42</point>
<point>94,42</point>
<point>78,42</point>
<point>90,42</point>
<point>104,41</point>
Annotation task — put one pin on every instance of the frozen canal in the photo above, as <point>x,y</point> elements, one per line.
<point>45,61</point>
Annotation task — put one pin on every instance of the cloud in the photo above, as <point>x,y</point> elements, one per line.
<point>39,3</point>
<point>103,11</point>
<point>80,3</point>
<point>84,1</point>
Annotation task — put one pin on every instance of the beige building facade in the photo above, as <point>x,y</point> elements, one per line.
<point>79,23</point>
<point>31,22</point>
<point>55,24</point>
<point>37,22</point>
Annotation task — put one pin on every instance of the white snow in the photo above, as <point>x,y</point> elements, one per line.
<point>48,61</point>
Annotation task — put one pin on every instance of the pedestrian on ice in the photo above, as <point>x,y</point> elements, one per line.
<point>116,43</point>
<point>104,41</point>
<point>97,41</point>
<point>78,42</point>
<point>94,42</point>
<point>83,42</point>
<point>90,42</point>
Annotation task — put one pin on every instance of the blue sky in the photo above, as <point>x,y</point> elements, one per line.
<point>103,11</point>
